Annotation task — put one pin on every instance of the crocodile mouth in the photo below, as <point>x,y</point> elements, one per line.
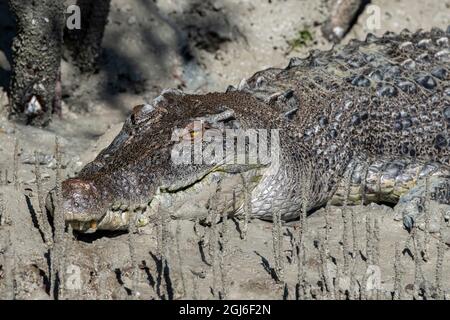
<point>116,217</point>
<point>184,199</point>
<point>85,227</point>
<point>188,200</point>
<point>111,220</point>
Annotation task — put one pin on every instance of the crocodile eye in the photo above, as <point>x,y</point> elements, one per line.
<point>141,113</point>
<point>76,204</point>
<point>196,130</point>
<point>194,134</point>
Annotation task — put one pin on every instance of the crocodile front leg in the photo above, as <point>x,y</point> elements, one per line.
<point>400,182</point>
<point>425,203</point>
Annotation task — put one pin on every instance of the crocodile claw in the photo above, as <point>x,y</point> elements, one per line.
<point>411,207</point>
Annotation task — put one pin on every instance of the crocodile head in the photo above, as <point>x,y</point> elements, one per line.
<point>174,155</point>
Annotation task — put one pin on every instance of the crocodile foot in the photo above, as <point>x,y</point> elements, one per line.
<point>425,204</point>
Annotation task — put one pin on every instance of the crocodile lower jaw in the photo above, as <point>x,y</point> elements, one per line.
<point>188,202</point>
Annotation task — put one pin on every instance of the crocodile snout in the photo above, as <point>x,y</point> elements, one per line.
<point>79,204</point>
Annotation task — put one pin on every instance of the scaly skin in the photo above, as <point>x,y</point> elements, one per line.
<point>382,103</point>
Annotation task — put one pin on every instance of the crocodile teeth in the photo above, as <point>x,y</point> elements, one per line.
<point>93,225</point>
<point>125,217</point>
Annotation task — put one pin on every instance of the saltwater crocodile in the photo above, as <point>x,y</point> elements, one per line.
<point>360,122</point>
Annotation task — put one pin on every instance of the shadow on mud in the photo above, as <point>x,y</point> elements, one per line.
<point>7,33</point>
